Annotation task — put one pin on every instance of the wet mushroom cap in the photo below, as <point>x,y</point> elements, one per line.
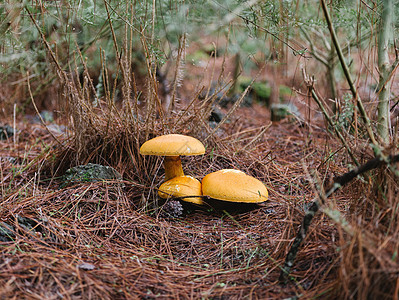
<point>172,145</point>
<point>234,186</point>
<point>180,187</point>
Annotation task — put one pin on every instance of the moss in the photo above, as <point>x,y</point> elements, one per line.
<point>90,173</point>
<point>262,90</point>
<point>243,82</point>
<point>285,92</point>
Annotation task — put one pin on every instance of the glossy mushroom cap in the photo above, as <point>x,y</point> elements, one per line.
<point>234,186</point>
<point>182,186</point>
<point>172,145</point>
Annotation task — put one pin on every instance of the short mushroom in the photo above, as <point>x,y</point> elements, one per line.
<point>234,186</point>
<point>172,146</point>
<point>182,186</point>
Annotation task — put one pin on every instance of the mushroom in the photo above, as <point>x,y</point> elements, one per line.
<point>234,186</point>
<point>172,146</point>
<point>182,186</point>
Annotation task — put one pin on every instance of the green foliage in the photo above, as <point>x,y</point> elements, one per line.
<point>86,25</point>
<point>351,22</point>
<point>253,31</point>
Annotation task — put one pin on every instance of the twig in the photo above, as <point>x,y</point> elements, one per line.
<point>359,102</point>
<point>40,116</point>
<point>316,54</point>
<point>50,51</point>
<point>234,107</point>
<point>310,86</point>
<point>315,206</point>
<point>177,74</point>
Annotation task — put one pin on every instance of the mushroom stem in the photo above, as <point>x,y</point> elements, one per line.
<point>173,167</point>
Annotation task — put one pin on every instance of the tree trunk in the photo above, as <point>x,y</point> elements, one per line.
<point>384,86</point>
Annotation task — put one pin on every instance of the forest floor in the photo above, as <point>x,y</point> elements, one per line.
<point>98,241</point>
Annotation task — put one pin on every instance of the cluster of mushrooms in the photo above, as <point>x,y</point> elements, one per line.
<point>225,185</point>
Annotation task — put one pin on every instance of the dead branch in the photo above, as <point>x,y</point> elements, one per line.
<point>315,206</point>
<point>345,68</point>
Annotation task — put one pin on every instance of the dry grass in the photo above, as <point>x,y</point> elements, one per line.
<point>101,240</point>
<point>98,241</point>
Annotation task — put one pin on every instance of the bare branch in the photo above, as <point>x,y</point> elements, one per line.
<point>315,206</point>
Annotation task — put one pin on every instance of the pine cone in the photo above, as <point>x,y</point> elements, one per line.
<point>172,209</point>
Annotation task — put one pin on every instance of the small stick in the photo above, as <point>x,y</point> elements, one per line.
<point>309,83</point>
<point>315,206</point>
<point>345,68</point>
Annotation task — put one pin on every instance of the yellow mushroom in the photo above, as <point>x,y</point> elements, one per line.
<point>172,146</point>
<point>234,186</point>
<point>182,186</point>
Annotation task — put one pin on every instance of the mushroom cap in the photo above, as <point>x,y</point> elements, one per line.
<point>234,186</point>
<point>182,186</point>
<point>172,145</point>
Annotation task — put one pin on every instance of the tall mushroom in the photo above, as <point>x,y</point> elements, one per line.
<point>172,146</point>
<point>234,186</point>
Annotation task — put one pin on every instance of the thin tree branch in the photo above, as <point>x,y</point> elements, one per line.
<point>309,84</point>
<point>313,51</point>
<point>315,206</point>
<point>363,113</point>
